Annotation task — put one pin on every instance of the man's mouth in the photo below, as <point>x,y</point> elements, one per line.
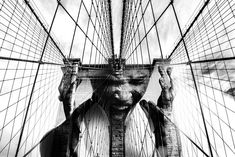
<point>120,107</point>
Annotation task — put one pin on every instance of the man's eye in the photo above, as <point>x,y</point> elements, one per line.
<point>113,82</point>
<point>137,81</point>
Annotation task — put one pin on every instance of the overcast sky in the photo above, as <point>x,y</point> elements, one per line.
<point>63,27</point>
<point>63,31</point>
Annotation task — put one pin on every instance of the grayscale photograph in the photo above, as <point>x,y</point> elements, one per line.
<point>117,78</point>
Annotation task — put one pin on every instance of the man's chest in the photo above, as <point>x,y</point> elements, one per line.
<point>96,133</point>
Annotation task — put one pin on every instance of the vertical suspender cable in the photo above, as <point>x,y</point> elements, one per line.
<point>75,28</point>
<point>158,38</point>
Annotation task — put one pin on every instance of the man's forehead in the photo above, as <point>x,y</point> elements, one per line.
<point>109,74</point>
<point>137,73</point>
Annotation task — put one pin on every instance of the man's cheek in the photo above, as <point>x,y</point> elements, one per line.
<point>111,90</point>
<point>140,88</point>
<point>137,92</point>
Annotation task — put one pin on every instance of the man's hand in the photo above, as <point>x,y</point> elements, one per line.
<point>168,71</point>
<point>167,95</point>
<point>67,88</point>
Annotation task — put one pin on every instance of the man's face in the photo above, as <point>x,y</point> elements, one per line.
<point>121,91</point>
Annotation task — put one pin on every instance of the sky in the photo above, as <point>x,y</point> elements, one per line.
<point>168,29</point>
<point>62,31</point>
<point>168,32</point>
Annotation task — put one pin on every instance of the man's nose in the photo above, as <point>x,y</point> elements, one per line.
<point>123,93</point>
